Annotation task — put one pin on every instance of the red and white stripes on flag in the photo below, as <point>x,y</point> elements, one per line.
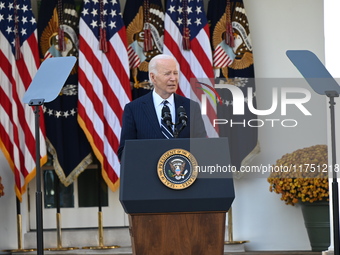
<point>19,62</point>
<point>221,58</point>
<point>194,56</point>
<point>134,60</point>
<point>104,86</point>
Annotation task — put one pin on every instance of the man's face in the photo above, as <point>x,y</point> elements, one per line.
<point>166,80</point>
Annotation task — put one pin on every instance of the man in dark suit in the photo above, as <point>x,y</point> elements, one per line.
<point>142,117</point>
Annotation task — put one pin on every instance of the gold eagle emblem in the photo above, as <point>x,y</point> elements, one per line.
<point>243,46</point>
<point>49,37</point>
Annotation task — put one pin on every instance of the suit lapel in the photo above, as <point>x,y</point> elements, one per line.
<point>149,109</point>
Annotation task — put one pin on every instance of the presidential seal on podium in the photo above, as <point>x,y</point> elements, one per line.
<point>177,169</point>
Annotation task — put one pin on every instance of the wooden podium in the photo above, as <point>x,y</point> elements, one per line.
<point>166,221</point>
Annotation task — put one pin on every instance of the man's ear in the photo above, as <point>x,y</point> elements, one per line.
<point>152,77</point>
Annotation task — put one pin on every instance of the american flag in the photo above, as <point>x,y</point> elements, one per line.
<point>104,86</point>
<point>66,141</point>
<point>228,19</point>
<point>186,37</point>
<point>19,63</point>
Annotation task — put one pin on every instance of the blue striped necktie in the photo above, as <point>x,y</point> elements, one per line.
<point>167,132</point>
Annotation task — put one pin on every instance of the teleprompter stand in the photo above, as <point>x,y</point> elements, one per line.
<point>164,220</point>
<point>322,83</point>
<point>45,87</point>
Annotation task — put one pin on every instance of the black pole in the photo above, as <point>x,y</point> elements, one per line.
<point>57,192</point>
<point>335,188</point>
<point>99,189</point>
<point>19,223</point>
<point>18,206</point>
<point>38,195</point>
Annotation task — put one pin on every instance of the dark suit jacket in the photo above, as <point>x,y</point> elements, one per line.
<point>140,120</point>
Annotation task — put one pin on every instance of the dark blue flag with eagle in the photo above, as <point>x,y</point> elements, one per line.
<point>233,64</point>
<point>58,23</point>
<point>144,21</point>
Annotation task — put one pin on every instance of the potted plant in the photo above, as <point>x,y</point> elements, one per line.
<point>301,177</point>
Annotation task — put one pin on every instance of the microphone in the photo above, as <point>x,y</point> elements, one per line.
<point>182,116</point>
<point>166,116</point>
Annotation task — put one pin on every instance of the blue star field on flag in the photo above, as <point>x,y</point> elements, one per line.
<point>16,17</point>
<point>110,19</point>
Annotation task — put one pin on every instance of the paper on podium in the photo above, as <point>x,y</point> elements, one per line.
<point>313,70</point>
<point>49,80</point>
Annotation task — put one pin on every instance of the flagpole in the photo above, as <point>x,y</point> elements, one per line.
<point>19,230</point>
<point>58,216</point>
<point>19,225</point>
<point>58,219</point>
<point>230,229</point>
<point>100,213</point>
<point>100,218</point>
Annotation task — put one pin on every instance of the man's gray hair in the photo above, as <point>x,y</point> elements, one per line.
<point>154,61</point>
